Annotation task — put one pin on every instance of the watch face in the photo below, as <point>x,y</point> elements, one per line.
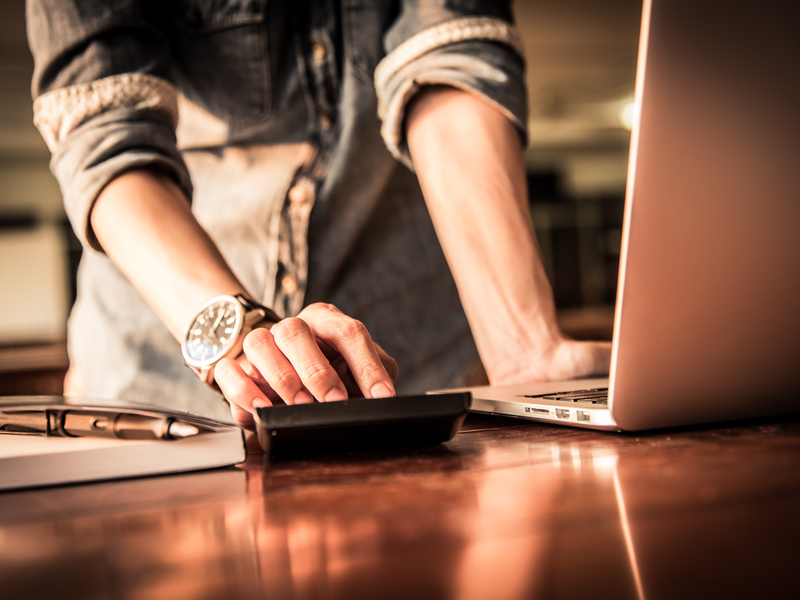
<point>213,331</point>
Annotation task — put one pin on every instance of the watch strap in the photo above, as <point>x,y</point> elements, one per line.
<point>267,314</point>
<point>262,314</point>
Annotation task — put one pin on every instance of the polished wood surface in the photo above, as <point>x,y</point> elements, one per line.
<point>33,369</point>
<point>506,510</point>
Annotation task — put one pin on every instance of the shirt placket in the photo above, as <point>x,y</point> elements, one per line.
<point>293,247</point>
<point>319,76</point>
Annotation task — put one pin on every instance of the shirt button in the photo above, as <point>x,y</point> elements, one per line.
<point>298,194</point>
<point>289,283</point>
<point>319,52</point>
<point>325,122</point>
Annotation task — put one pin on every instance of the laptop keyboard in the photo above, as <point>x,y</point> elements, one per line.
<point>592,396</point>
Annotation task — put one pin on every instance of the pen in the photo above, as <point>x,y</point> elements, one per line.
<point>94,423</point>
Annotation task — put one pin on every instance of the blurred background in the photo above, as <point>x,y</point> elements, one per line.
<point>581,57</point>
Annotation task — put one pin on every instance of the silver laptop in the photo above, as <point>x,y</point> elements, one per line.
<point>707,321</point>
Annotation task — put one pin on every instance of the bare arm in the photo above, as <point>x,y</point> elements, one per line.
<point>146,226</point>
<point>468,158</point>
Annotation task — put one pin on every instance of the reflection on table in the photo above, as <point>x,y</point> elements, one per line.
<point>507,510</point>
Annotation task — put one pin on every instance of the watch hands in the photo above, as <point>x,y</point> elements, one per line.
<point>218,320</point>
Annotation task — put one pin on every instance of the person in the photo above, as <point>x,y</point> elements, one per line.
<point>355,166</point>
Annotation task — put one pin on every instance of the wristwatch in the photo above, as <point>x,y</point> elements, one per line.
<point>218,331</point>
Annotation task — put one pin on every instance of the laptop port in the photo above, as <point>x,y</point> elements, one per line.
<point>582,415</point>
<point>562,413</point>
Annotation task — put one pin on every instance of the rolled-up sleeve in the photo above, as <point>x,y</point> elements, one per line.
<point>102,100</point>
<point>475,48</point>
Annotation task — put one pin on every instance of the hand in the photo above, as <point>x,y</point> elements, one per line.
<point>322,353</point>
<point>565,359</point>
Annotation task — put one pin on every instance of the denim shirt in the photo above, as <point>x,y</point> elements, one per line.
<point>283,123</point>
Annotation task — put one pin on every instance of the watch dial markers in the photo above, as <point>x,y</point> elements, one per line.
<point>212,331</point>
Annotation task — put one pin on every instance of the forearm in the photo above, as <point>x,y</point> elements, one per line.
<point>145,225</point>
<point>469,161</point>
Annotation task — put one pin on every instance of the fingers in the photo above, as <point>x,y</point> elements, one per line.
<point>292,363</point>
<point>342,369</point>
<point>320,354</point>
<point>241,391</point>
<point>581,359</point>
<point>388,362</point>
<point>325,355</point>
<point>367,362</point>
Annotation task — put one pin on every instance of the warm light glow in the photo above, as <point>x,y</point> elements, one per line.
<point>627,115</point>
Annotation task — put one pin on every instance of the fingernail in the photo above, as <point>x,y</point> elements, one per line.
<point>334,395</point>
<point>259,403</point>
<point>303,397</point>
<point>381,390</point>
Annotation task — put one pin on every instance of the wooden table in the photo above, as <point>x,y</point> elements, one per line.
<point>506,510</point>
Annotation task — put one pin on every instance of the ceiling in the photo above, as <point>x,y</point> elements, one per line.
<point>581,57</point>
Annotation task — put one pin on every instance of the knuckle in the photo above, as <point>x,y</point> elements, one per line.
<point>284,380</point>
<point>368,373</point>
<point>352,330</point>
<point>324,306</point>
<point>257,340</point>
<point>289,329</point>
<point>317,376</point>
<point>320,310</point>
<point>225,372</point>
<point>222,368</point>
<point>228,381</point>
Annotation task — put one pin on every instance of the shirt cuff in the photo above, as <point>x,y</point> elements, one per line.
<point>101,129</point>
<point>481,56</point>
